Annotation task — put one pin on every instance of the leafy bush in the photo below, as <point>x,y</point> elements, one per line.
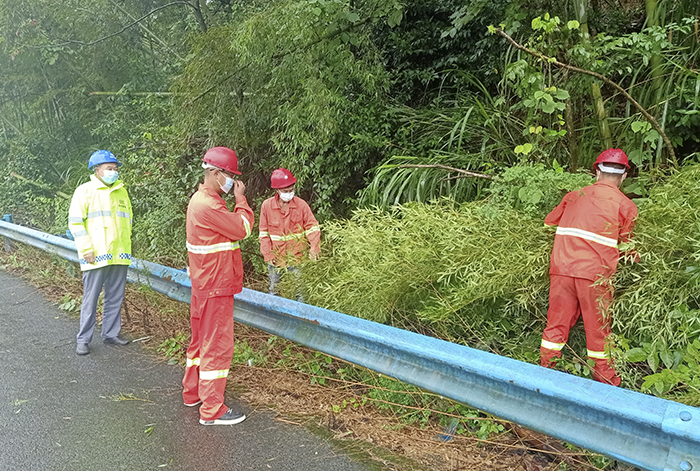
<point>476,273</point>
<point>442,268</point>
<point>534,190</point>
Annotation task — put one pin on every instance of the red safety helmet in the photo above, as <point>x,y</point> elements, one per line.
<point>612,156</point>
<point>282,178</point>
<point>222,157</point>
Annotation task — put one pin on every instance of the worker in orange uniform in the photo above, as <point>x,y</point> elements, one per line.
<point>216,270</point>
<point>591,222</point>
<point>286,223</point>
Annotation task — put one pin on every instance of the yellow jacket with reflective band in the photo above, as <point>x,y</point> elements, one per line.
<point>100,220</point>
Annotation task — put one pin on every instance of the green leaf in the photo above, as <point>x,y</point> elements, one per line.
<point>549,107</point>
<point>659,386</point>
<point>562,95</point>
<point>666,358</point>
<point>653,361</point>
<point>396,16</point>
<point>573,24</point>
<point>635,355</point>
<point>638,126</point>
<point>353,17</point>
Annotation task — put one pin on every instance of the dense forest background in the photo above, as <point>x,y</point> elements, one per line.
<point>430,137</point>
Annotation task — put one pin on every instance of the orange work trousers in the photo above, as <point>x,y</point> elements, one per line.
<point>568,298</point>
<point>209,355</point>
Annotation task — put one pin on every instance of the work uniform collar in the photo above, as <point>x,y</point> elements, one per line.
<point>607,183</point>
<point>276,202</point>
<point>208,191</point>
<point>100,185</point>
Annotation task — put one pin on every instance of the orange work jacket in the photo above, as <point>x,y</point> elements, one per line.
<point>283,235</point>
<point>591,222</point>
<point>213,232</point>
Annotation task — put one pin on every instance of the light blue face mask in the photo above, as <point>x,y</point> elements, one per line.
<point>226,187</point>
<point>110,176</point>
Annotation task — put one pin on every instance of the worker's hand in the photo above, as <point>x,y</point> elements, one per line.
<point>313,256</point>
<point>188,272</point>
<point>89,257</point>
<point>238,188</point>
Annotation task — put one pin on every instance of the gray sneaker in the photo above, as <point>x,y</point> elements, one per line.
<point>229,418</point>
<point>82,349</point>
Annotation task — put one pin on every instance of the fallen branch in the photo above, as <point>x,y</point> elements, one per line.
<point>448,168</point>
<point>606,80</point>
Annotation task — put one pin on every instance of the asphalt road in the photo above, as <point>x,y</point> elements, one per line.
<point>120,408</point>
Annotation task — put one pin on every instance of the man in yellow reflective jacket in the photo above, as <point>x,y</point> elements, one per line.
<point>100,220</point>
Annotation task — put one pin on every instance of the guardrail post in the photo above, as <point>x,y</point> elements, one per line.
<point>9,246</point>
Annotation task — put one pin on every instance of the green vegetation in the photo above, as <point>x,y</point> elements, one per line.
<point>476,273</point>
<point>379,108</point>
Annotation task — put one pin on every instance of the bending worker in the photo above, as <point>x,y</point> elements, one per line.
<point>100,220</point>
<point>216,271</point>
<point>591,222</point>
<point>286,221</point>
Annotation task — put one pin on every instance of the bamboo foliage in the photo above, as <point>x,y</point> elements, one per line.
<point>581,10</point>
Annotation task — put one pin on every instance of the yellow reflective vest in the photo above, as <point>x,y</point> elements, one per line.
<point>100,220</point>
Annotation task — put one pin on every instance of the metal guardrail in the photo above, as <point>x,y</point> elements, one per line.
<point>644,431</point>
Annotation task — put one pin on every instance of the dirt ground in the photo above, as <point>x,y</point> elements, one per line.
<point>374,436</point>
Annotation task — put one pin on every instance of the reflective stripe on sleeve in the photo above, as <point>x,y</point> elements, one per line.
<point>264,234</point>
<point>246,224</point>
<point>79,233</point>
<point>207,249</point>
<point>123,214</point>
<point>213,374</point>
<point>75,220</point>
<point>284,238</point>
<point>597,355</point>
<point>192,362</point>
<point>552,345</point>
<point>99,214</point>
<point>571,231</point>
<point>312,229</point>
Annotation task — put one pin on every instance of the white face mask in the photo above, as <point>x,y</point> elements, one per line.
<point>226,187</point>
<point>110,176</point>
<point>286,197</point>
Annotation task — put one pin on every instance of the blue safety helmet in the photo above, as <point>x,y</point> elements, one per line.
<point>102,157</point>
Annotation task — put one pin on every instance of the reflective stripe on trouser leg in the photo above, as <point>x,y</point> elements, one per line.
<point>114,283</point>
<point>561,315</point>
<point>595,301</point>
<point>190,382</point>
<point>215,353</point>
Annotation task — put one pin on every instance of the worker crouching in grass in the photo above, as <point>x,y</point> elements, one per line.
<point>591,223</point>
<point>287,228</point>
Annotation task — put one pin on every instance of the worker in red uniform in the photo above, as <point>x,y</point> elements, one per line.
<point>286,224</point>
<point>591,223</point>
<point>216,271</point>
